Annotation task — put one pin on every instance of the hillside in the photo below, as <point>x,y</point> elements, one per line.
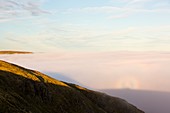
<point>15,52</point>
<point>27,91</point>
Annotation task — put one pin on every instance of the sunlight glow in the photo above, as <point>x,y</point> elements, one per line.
<point>128,82</point>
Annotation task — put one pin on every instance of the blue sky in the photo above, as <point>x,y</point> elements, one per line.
<point>86,25</point>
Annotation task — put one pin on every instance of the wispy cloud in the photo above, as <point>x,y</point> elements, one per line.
<point>133,38</point>
<point>12,9</point>
<point>128,8</point>
<point>53,35</point>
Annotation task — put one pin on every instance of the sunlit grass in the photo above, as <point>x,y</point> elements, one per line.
<point>30,74</point>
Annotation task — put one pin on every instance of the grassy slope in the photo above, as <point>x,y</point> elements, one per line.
<point>28,91</point>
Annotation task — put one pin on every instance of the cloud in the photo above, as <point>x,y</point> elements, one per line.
<point>118,16</point>
<point>76,37</point>
<point>128,7</point>
<point>102,9</point>
<point>12,9</point>
<point>141,70</point>
<point>34,8</point>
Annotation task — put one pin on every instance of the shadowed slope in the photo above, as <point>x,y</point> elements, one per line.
<point>28,91</point>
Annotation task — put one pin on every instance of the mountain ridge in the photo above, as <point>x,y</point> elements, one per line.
<point>27,91</point>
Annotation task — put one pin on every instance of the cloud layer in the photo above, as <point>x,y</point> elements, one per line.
<point>105,70</point>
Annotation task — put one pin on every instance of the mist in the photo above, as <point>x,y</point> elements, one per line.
<point>102,70</point>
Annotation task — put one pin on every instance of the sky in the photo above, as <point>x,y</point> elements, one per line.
<point>86,25</point>
<point>122,43</point>
<point>98,44</point>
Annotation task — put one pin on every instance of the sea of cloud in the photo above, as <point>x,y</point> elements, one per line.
<point>102,70</point>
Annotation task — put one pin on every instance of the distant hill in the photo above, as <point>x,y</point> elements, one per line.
<point>15,52</point>
<point>148,101</point>
<point>27,91</point>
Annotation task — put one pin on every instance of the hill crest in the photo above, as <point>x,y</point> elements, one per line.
<point>29,91</point>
